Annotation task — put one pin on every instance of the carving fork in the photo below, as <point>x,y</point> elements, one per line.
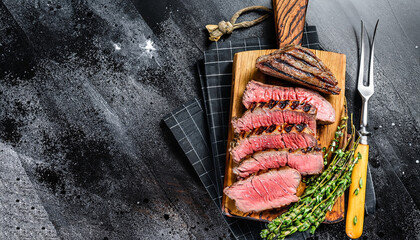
<point>357,192</point>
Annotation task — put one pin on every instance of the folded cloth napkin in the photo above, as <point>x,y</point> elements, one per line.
<point>201,126</point>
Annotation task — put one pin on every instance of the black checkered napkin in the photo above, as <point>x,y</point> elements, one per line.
<point>189,127</point>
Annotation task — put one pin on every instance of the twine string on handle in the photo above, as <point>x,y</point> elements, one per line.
<point>216,31</point>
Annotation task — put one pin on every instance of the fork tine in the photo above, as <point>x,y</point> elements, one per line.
<point>362,59</point>
<point>372,57</point>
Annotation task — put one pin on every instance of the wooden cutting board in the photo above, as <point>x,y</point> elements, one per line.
<point>244,70</point>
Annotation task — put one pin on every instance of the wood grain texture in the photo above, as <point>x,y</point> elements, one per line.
<point>289,19</point>
<point>244,70</point>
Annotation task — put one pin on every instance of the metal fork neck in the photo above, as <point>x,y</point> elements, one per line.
<point>364,121</point>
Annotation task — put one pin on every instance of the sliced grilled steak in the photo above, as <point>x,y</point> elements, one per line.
<point>272,189</point>
<point>285,136</point>
<point>257,92</point>
<point>306,160</point>
<point>299,65</point>
<point>276,113</point>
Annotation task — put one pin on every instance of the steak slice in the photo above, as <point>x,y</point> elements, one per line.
<point>257,92</point>
<point>307,161</point>
<point>272,189</point>
<point>285,136</point>
<point>276,113</point>
<point>299,65</point>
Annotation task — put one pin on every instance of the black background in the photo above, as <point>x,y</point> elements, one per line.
<point>83,97</point>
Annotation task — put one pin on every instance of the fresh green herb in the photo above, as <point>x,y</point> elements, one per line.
<point>341,129</point>
<point>355,220</point>
<point>356,192</point>
<point>321,190</point>
<point>360,183</point>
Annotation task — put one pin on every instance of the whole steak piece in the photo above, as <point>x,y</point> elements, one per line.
<point>306,161</point>
<point>272,189</point>
<point>299,65</point>
<point>276,113</point>
<point>257,92</point>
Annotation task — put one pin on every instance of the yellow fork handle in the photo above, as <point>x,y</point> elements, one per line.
<point>356,204</point>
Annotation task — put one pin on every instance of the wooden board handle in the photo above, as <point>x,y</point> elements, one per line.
<point>289,17</point>
<point>357,193</point>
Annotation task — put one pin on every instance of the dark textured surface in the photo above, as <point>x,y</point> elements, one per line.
<point>84,85</point>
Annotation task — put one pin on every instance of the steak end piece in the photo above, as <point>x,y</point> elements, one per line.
<point>257,92</point>
<point>269,190</point>
<point>307,161</point>
<point>299,65</point>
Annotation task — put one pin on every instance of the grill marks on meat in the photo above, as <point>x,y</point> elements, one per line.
<point>276,113</point>
<point>307,62</point>
<point>307,161</point>
<point>272,189</point>
<point>256,92</point>
<point>286,136</point>
<point>299,65</point>
<point>273,129</point>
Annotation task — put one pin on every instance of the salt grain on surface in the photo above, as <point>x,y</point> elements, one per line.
<point>149,46</point>
<point>116,47</point>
